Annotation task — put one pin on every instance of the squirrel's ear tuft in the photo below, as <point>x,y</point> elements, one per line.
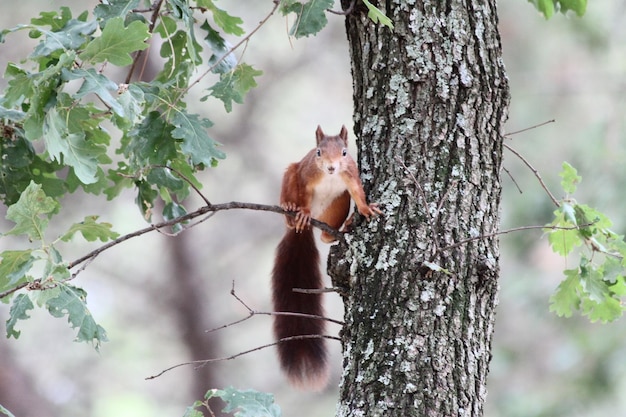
<point>319,134</point>
<point>344,134</point>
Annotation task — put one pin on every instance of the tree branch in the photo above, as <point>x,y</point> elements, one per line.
<point>537,175</point>
<point>199,212</point>
<point>208,210</point>
<point>200,363</point>
<point>515,229</point>
<point>155,9</point>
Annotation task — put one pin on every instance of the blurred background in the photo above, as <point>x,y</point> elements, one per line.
<point>157,295</point>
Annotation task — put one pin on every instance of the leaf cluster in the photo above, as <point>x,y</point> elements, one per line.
<point>311,16</point>
<point>76,115</point>
<point>241,403</point>
<point>549,7</point>
<point>597,286</point>
<point>51,289</point>
<point>60,98</point>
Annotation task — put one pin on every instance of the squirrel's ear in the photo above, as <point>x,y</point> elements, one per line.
<point>319,134</point>
<point>344,134</point>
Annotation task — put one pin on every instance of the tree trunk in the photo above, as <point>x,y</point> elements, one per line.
<point>430,101</point>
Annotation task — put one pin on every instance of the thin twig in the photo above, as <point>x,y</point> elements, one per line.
<point>201,363</point>
<point>537,175</point>
<point>155,8</point>
<point>529,128</point>
<point>187,180</point>
<point>346,12</point>
<point>253,312</point>
<point>316,290</point>
<point>231,50</point>
<point>515,229</point>
<point>513,179</point>
<point>197,213</point>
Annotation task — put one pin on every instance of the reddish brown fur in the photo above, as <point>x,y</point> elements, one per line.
<point>321,184</point>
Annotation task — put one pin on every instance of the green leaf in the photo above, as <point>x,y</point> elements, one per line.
<point>569,177</point>
<point>377,16</point>
<point>545,6</point>
<point>567,298</point>
<point>6,412</point>
<point>246,403</point>
<point>577,6</point>
<point>192,412</point>
<point>150,142</point>
<point>229,24</point>
<point>234,85</point>
<point>117,42</point>
<point>162,177</point>
<point>145,198</point>
<point>97,84</point>
<point>311,16</point>
<point>71,302</point>
<point>45,86</point>
<point>32,212</point>
<point>182,11</point>
<point>71,36</point>
<point>115,8</point>
<point>72,148</point>
<point>19,308</point>
<point>548,7</point>
<point>196,143</point>
<point>14,264</point>
<point>91,230</point>
<point>10,114</point>
<point>592,283</point>
<point>608,310</point>
<point>171,211</point>
<point>20,165</point>
<point>561,236</point>
<point>53,19</point>
<point>221,63</point>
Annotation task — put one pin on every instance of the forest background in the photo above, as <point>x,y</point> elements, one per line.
<point>568,69</point>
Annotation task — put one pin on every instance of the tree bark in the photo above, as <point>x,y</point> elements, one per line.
<point>430,100</point>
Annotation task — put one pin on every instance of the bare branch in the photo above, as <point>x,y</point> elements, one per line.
<point>200,212</point>
<point>155,9</point>
<point>252,312</point>
<point>346,12</point>
<point>200,363</point>
<point>187,180</point>
<point>543,184</point>
<point>207,211</point>
<point>529,128</point>
<point>513,179</point>
<point>515,229</point>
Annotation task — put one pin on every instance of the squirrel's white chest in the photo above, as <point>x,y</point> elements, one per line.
<point>325,192</point>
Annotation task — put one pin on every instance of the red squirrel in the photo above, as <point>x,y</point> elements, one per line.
<point>319,187</point>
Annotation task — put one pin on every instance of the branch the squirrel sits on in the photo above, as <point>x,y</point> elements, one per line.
<point>319,187</point>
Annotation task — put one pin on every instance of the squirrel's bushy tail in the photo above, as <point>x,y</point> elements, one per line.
<point>297,266</point>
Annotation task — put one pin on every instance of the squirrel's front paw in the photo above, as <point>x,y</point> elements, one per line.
<point>303,220</point>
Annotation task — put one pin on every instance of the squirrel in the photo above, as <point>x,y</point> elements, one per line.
<point>319,187</point>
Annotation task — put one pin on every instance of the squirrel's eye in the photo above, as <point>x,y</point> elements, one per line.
<point>344,152</point>
<point>319,152</point>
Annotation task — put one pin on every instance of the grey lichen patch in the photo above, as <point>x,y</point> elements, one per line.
<point>398,94</point>
<point>357,253</point>
<point>466,76</point>
<point>387,258</point>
